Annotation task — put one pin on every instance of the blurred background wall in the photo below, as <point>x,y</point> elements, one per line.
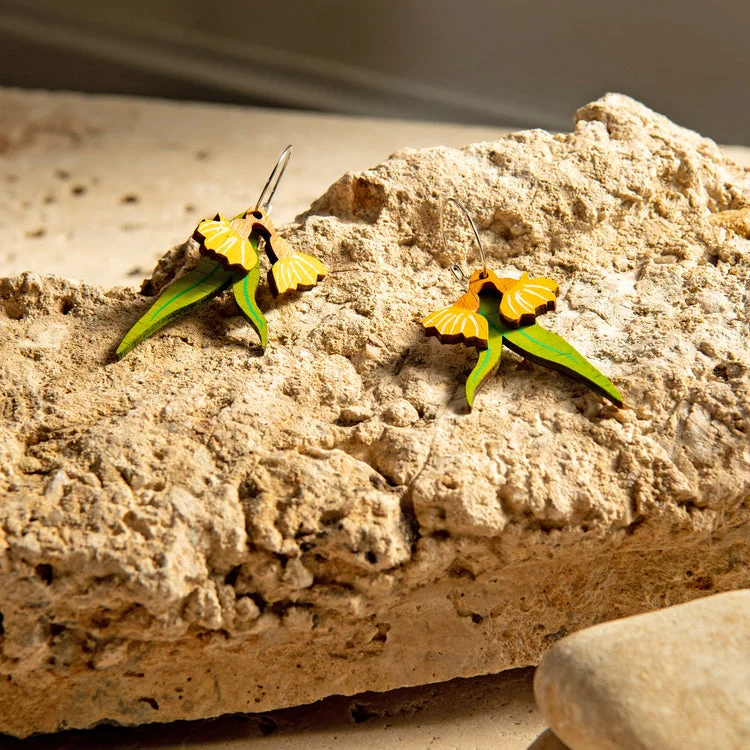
<point>504,62</point>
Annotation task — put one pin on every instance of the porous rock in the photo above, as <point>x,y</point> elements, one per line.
<point>676,679</point>
<point>200,529</point>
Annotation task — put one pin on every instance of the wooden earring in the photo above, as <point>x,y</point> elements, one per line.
<point>496,311</point>
<point>229,257</point>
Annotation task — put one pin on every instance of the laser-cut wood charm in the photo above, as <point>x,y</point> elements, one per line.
<point>496,311</point>
<point>230,258</point>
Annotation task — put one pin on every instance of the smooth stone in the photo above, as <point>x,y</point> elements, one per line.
<point>676,679</point>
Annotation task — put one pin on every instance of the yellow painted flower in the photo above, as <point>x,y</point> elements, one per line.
<point>227,242</point>
<point>458,324</point>
<point>295,272</point>
<point>526,299</point>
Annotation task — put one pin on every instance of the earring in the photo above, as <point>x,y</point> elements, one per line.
<point>496,311</point>
<point>229,257</point>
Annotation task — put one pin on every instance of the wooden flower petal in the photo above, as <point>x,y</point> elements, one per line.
<point>457,324</point>
<point>526,299</point>
<point>295,272</point>
<point>227,242</point>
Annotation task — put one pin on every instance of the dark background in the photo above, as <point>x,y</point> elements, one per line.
<point>515,62</point>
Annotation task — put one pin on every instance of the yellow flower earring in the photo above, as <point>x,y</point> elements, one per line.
<point>229,250</point>
<point>496,311</point>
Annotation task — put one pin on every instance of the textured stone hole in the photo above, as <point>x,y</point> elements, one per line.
<point>729,370</point>
<point>332,517</point>
<point>66,305</point>
<point>261,603</point>
<point>230,579</point>
<point>14,309</point>
<point>712,256</point>
<point>45,573</point>
<point>266,725</point>
<point>367,199</point>
<point>78,189</point>
<point>151,702</point>
<point>361,713</point>
<point>2,627</point>
<point>382,635</point>
<point>248,489</point>
<point>457,570</point>
<point>130,198</point>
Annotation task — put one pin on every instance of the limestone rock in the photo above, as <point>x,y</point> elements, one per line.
<point>677,679</point>
<point>200,529</point>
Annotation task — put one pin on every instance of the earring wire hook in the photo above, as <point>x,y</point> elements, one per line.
<point>459,275</point>
<point>266,195</point>
<point>466,213</point>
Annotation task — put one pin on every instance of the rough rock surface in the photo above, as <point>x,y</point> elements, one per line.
<point>678,679</point>
<point>200,529</point>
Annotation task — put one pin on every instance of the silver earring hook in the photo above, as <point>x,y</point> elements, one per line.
<point>466,213</point>
<point>460,275</point>
<point>266,195</point>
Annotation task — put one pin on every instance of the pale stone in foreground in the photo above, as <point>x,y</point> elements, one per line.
<point>677,679</point>
<point>200,529</point>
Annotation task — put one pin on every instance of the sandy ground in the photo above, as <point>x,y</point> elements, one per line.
<point>97,188</point>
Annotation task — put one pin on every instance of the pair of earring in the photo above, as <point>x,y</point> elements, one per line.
<point>492,312</point>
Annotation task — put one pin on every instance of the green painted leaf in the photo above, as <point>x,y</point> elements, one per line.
<point>550,350</point>
<point>244,293</point>
<point>205,281</point>
<point>486,364</point>
<point>542,347</point>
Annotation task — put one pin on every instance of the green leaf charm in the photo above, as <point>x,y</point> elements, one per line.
<point>536,344</point>
<point>244,293</point>
<point>208,279</point>
<point>205,281</point>
<point>550,350</point>
<point>486,364</point>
